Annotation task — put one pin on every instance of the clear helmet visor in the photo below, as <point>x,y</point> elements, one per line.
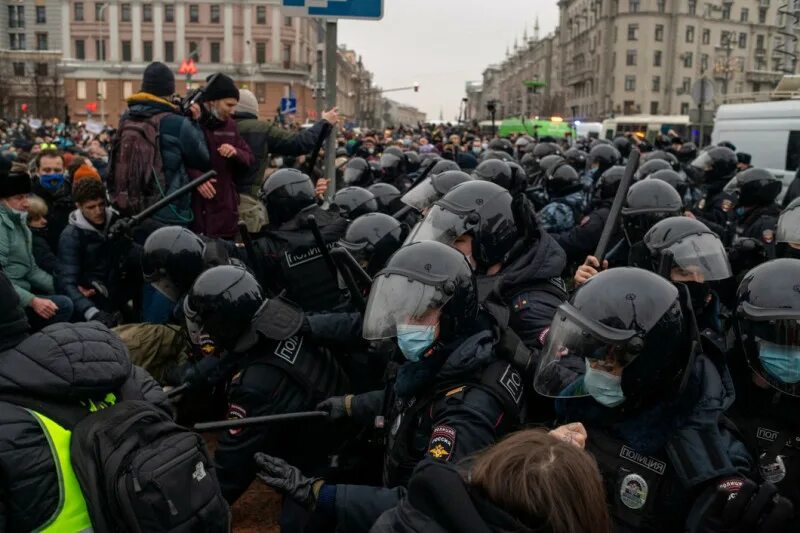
<point>702,161</point>
<point>352,175</point>
<point>777,343</point>
<point>440,225</point>
<point>700,258</point>
<point>394,299</point>
<point>422,196</point>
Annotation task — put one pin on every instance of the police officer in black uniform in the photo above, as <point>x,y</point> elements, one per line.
<point>757,211</point>
<point>650,167</point>
<point>622,358</point>
<point>435,186</point>
<point>713,169</point>
<point>288,256</point>
<point>387,196</point>
<point>357,173</point>
<point>352,202</point>
<point>452,397</point>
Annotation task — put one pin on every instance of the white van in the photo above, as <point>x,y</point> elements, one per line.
<point>768,131</point>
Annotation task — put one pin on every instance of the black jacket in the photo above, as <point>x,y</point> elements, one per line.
<point>582,239</point>
<point>59,206</point>
<point>62,363</point>
<point>42,253</point>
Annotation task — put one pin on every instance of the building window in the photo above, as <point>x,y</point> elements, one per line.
<point>742,40</point>
<point>215,48</point>
<point>100,49</point>
<point>125,12</point>
<point>657,58</point>
<point>147,51</point>
<point>16,16</point>
<point>685,108</point>
<point>169,13</point>
<point>726,10</point>
<point>215,13</point>
<point>194,50</point>
<point>261,92</point>
<point>287,56</point>
<point>41,15</point>
<point>16,41</point>
<point>689,34</point>
<point>126,50</point>
<point>77,11</point>
<point>633,32</point>
<point>688,59</point>
<point>630,58</point>
<point>759,42</point>
<point>261,14</point>
<point>261,53</point>
<point>99,12</point>
<point>194,13</point>
<point>762,15</point>
<point>659,35</point>
<point>80,49</point>
<point>102,90</point>
<point>686,86</point>
<point>633,6</point>
<point>19,69</point>
<point>630,83</point>
<point>41,41</point>
<point>703,62</point>
<point>41,69</point>
<point>706,36</point>
<point>661,5</point>
<point>169,51</point>
<point>127,89</point>
<point>693,7</point>
<point>654,108</point>
<point>656,84</point>
<point>616,32</point>
<point>287,21</point>
<point>80,89</point>
<point>147,12</point>
<point>745,15</point>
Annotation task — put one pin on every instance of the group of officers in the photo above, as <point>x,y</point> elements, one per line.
<point>427,312</point>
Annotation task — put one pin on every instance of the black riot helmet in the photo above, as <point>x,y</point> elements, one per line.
<point>576,159</point>
<point>717,164</point>
<point>530,164</point>
<point>678,181</point>
<point>372,238</point>
<point>443,165</point>
<point>561,180</point>
<point>428,160</point>
<point>788,229</point>
<point>352,202</point>
<point>414,160</point>
<point>501,155</point>
<point>687,152</point>
<point>502,145</point>
<point>661,155</point>
<point>626,322</point>
<point>424,283</point>
<point>623,145</point>
<point>433,188</point>
<point>649,167</point>
<point>172,258</point>
<point>387,196</point>
<point>393,166</point>
<point>687,245</point>
<point>357,172</point>
<point>757,187</point>
<point>477,208</point>
<point>221,304</point>
<point>502,174</point>
<point>544,149</point>
<point>648,202</point>
<point>608,184</point>
<point>602,157</point>
<point>285,193</point>
<point>768,323</point>
<point>550,161</point>
<point>394,150</point>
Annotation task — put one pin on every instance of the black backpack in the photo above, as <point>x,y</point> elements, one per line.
<point>138,470</point>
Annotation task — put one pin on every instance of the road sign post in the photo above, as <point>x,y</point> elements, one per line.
<point>702,93</point>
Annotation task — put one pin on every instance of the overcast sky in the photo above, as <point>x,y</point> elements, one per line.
<point>441,44</point>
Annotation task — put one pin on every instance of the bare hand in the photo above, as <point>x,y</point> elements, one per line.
<point>574,434</point>
<point>43,307</point>
<point>196,112</point>
<point>207,189</point>
<point>87,293</point>
<point>322,187</point>
<point>226,150</point>
<point>689,214</point>
<point>331,116</point>
<point>588,269</point>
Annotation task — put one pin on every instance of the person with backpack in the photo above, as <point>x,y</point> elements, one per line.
<point>152,150</point>
<point>87,440</point>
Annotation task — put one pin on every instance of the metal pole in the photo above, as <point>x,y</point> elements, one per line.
<point>320,69</point>
<point>701,106</point>
<point>330,93</point>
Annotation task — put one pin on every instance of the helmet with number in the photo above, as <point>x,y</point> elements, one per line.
<point>602,157</point>
<point>387,196</point>
<point>768,323</point>
<point>286,192</point>
<point>544,149</point>
<point>372,238</point>
<point>393,166</point>
<point>576,159</point>
<point>423,284</point>
<point>480,209</point>
<point>561,180</point>
<point>443,165</point>
<point>757,187</point>
<point>678,181</point>
<point>502,145</point>
<point>623,145</point>
<point>221,304</point>
<point>357,172</point>
<point>649,167</point>
<point>352,202</point>
<point>687,245</point>
<point>172,258</point>
<point>623,340</point>
<point>717,164</point>
<point>646,203</point>
<point>433,188</point>
<point>608,184</point>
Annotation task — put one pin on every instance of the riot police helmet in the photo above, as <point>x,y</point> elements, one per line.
<point>646,203</point>
<point>172,258</point>
<point>608,183</point>
<point>714,165</point>
<point>393,166</point>
<point>443,165</point>
<point>387,196</point>
<point>357,172</point>
<point>543,149</point>
<point>756,187</point>
<point>623,145</point>
<point>649,167</point>
<point>502,145</point>
<point>372,238</point>
<point>676,180</point>
<point>352,202</point>
<point>562,180</point>
<point>501,173</point>
<point>788,230</point>
<point>286,192</point>
<point>602,157</point>
<point>576,159</point>
<point>687,152</point>
<point>500,155</point>
<point>684,249</point>
<point>433,188</point>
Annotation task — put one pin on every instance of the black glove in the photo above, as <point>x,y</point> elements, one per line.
<point>121,229</point>
<point>288,480</point>
<point>107,319</point>
<point>207,372</point>
<point>337,407</point>
<point>754,508</point>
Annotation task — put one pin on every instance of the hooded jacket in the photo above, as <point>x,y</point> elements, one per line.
<point>63,363</point>
<point>16,258</point>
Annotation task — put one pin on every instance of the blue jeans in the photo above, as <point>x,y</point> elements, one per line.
<point>64,313</point>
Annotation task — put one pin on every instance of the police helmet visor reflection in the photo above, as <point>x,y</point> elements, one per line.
<point>396,299</point>
<point>353,175</point>
<point>703,256</point>
<point>703,161</point>
<point>422,196</point>
<point>777,343</point>
<point>442,226</point>
<point>789,226</point>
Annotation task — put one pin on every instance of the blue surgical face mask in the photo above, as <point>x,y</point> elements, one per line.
<point>604,387</point>
<point>476,150</point>
<point>414,339</point>
<point>484,146</point>
<point>52,182</point>
<point>780,362</point>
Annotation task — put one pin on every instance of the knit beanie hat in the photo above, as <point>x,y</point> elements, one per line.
<point>158,80</point>
<point>12,184</point>
<point>85,172</point>
<point>222,87</point>
<point>248,103</point>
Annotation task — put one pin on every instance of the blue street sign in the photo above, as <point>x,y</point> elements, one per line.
<point>288,105</point>
<point>335,9</point>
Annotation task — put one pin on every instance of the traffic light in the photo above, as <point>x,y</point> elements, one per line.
<point>416,86</point>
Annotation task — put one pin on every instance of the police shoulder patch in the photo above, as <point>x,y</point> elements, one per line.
<point>236,412</point>
<point>443,440</point>
<point>511,381</point>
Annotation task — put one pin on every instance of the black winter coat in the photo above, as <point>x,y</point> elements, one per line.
<point>42,253</point>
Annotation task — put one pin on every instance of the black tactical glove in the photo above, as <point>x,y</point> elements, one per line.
<point>337,407</point>
<point>107,319</point>
<point>207,372</point>
<point>288,480</point>
<point>753,508</point>
<point>121,229</point>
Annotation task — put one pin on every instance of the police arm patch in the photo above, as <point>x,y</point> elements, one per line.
<point>236,412</point>
<point>443,440</point>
